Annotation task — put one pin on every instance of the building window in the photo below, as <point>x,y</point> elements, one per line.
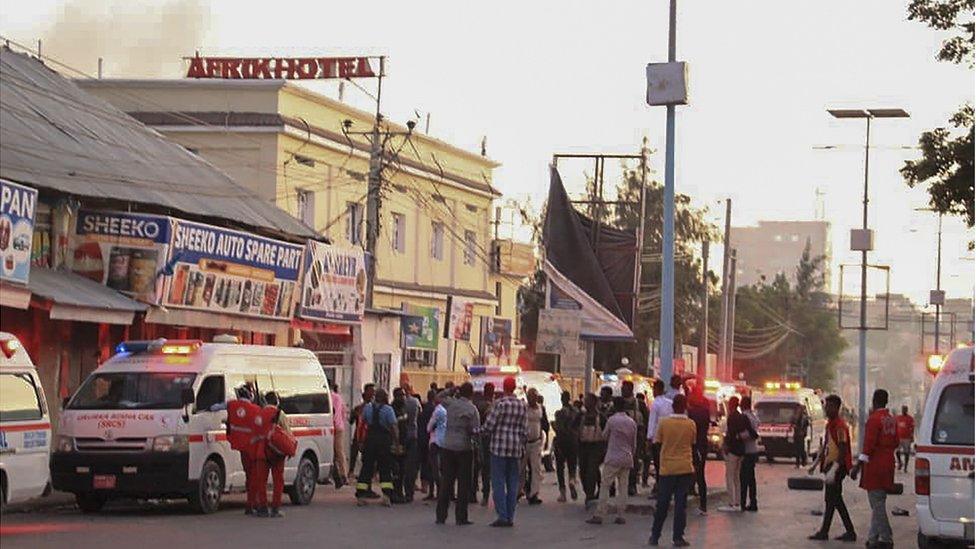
<point>399,239</point>
<point>421,358</point>
<point>304,160</point>
<point>777,238</point>
<point>498,298</point>
<point>354,222</point>
<point>437,241</point>
<point>470,243</point>
<point>794,238</point>
<point>306,207</point>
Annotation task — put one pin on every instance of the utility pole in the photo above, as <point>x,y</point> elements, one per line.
<point>723,333</point>
<point>730,354</point>
<point>373,192</point>
<point>703,336</point>
<point>667,255</point>
<point>938,285</point>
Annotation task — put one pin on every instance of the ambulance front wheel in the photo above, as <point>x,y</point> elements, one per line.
<point>206,499</point>
<point>306,477</point>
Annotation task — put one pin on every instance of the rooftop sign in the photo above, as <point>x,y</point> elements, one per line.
<point>291,68</point>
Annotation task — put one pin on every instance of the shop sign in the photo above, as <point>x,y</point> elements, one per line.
<point>291,68</point>
<point>124,251</point>
<point>334,284</point>
<point>460,315</point>
<point>496,338</point>
<point>558,333</point>
<point>420,327</point>
<point>17,208</point>
<point>227,271</point>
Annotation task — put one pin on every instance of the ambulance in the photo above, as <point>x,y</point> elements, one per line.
<point>777,408</point>
<point>151,422</point>
<point>25,428</point>
<point>944,463</point>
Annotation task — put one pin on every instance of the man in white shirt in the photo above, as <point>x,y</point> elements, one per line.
<point>660,409</point>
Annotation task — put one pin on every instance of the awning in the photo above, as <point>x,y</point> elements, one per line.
<point>218,321</point>
<point>74,297</point>
<point>14,295</point>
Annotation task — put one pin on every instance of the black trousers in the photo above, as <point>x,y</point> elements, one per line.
<point>590,458</point>
<point>377,458</point>
<point>834,499</point>
<point>455,468</point>
<point>567,458</point>
<point>800,452</point>
<point>481,470</point>
<point>699,455</point>
<point>656,457</point>
<point>747,480</point>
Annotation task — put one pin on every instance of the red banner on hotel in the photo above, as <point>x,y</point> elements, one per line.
<point>278,68</point>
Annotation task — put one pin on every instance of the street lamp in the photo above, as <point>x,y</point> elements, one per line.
<point>937,296</point>
<point>863,241</point>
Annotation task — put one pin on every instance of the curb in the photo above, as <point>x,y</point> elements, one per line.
<point>53,501</point>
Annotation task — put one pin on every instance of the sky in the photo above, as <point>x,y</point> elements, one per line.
<point>541,77</point>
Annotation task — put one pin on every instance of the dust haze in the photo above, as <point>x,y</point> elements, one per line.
<point>134,40</point>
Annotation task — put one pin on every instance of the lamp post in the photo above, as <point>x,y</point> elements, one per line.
<point>936,297</point>
<point>863,241</point>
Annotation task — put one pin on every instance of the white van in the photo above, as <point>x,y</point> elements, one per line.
<point>776,409</point>
<point>140,426</point>
<point>25,428</point>
<point>944,455</point>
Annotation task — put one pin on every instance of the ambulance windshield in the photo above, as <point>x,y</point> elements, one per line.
<point>776,412</point>
<point>132,391</point>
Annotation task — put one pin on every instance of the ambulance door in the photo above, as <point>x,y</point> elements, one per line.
<point>208,434</point>
<point>25,435</point>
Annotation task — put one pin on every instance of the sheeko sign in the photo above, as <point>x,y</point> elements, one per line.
<point>291,68</point>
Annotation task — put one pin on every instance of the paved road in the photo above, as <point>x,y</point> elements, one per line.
<point>333,520</point>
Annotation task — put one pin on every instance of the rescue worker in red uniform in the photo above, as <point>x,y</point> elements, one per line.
<point>270,461</point>
<point>878,461</point>
<point>242,416</point>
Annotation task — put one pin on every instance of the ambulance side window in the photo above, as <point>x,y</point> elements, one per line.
<point>19,400</point>
<point>211,392</point>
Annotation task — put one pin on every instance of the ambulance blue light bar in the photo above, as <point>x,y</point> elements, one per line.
<point>493,370</point>
<point>166,347</point>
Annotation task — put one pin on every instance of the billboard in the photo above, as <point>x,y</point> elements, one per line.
<point>559,332</point>
<point>496,339</point>
<point>227,271</point>
<point>420,327</point>
<point>334,284</point>
<point>124,251</point>
<point>17,209</point>
<point>460,315</point>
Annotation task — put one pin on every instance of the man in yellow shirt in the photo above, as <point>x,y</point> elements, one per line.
<point>676,435</point>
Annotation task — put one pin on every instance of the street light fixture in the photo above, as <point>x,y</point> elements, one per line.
<point>865,242</point>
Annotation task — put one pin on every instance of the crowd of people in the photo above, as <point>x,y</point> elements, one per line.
<point>461,444</point>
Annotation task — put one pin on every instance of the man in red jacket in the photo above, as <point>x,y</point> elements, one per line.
<point>242,414</point>
<point>878,461</point>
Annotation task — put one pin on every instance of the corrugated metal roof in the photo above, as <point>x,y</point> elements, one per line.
<point>54,135</point>
<point>67,288</point>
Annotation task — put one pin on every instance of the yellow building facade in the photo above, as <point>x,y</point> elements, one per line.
<point>287,144</point>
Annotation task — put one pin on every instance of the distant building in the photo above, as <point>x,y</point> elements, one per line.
<point>774,247</point>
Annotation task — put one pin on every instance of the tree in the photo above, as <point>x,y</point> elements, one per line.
<point>946,165</point>
<point>788,330</point>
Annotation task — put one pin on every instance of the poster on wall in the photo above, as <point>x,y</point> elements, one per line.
<point>227,271</point>
<point>17,209</point>
<point>559,332</point>
<point>121,250</point>
<point>420,327</point>
<point>334,284</point>
<point>460,315</point>
<point>496,338</point>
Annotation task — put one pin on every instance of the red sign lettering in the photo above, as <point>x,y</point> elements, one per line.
<point>962,464</point>
<point>292,68</point>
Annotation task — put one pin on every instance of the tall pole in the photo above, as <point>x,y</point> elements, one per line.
<point>730,353</point>
<point>373,192</point>
<point>938,284</point>
<point>667,258</point>
<point>703,335</point>
<point>724,329</point>
<point>862,357</point>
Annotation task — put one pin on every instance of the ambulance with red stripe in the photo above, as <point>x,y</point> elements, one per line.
<point>151,423</point>
<point>25,429</point>
<point>944,463</point>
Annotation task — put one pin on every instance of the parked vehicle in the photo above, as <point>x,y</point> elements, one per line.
<point>777,408</point>
<point>25,428</point>
<point>944,463</point>
<point>142,424</point>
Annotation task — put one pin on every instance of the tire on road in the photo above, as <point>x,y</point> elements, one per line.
<point>805,483</point>
<point>210,488</point>
<point>90,502</point>
<point>302,489</point>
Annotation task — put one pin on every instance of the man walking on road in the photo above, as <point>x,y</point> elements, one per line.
<point>660,409</point>
<point>877,458</point>
<point>676,434</point>
<point>747,473</point>
<point>566,447</point>
<point>834,459</point>
<point>621,436</point>
<point>537,429</point>
<point>591,446</point>
<point>340,418</point>
<point>906,435</point>
<point>457,454</point>
<point>699,413</point>
<point>633,412</point>
<point>507,424</point>
<point>737,429</point>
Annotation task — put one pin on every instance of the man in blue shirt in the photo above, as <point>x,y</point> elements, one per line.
<point>378,450</point>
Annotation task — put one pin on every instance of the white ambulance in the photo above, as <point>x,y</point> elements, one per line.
<point>148,422</point>
<point>777,408</point>
<point>944,463</point>
<point>25,429</point>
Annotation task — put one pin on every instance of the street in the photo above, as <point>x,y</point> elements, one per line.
<point>785,519</point>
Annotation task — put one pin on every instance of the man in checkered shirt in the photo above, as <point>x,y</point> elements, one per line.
<point>507,425</point>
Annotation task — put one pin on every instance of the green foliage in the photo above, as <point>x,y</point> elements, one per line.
<point>945,15</point>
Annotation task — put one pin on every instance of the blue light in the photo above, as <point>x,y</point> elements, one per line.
<point>132,347</point>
